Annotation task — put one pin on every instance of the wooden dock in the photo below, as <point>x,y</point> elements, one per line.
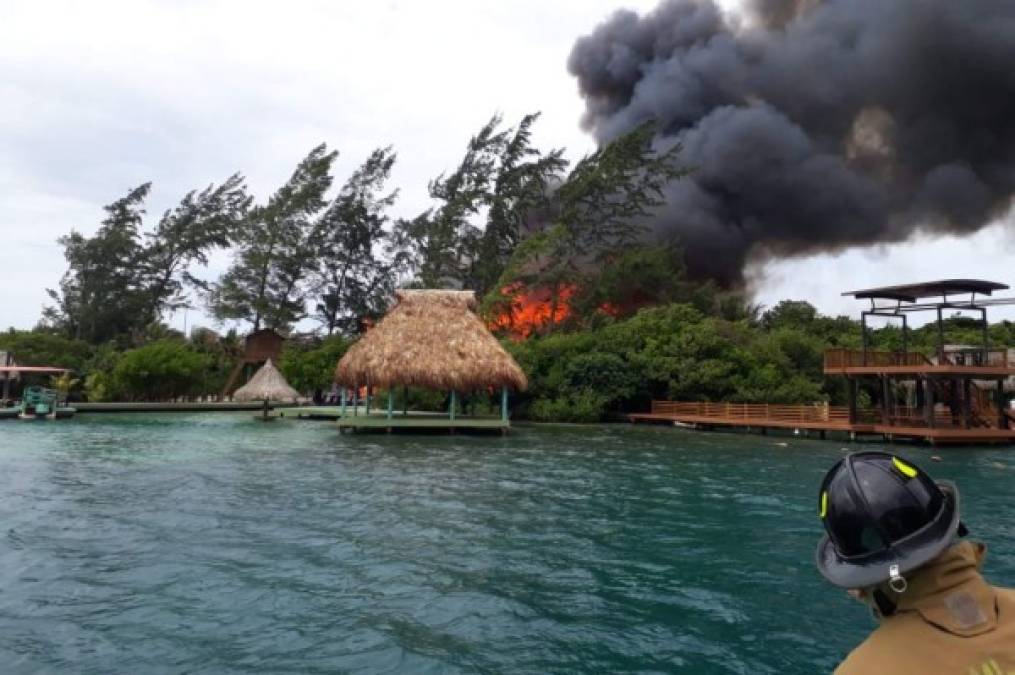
<point>422,422</point>
<point>175,406</point>
<point>816,418</point>
<point>378,420</point>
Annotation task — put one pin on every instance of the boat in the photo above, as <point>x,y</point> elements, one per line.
<point>39,403</point>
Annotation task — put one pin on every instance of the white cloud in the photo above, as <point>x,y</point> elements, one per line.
<point>99,97</point>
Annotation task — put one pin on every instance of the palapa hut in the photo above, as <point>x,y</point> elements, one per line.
<point>431,339</point>
<point>267,384</point>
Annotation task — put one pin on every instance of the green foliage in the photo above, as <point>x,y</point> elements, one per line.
<point>668,352</point>
<point>312,369</point>
<point>595,242</point>
<point>276,251</point>
<point>353,279</point>
<point>161,370</point>
<point>501,171</point>
<point>121,281</point>
<point>43,348</point>
<point>580,406</point>
<point>64,383</point>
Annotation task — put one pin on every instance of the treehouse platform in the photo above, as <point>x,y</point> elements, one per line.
<point>958,394</point>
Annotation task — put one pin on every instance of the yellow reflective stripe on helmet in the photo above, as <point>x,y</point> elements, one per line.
<point>904,469</point>
<point>824,504</point>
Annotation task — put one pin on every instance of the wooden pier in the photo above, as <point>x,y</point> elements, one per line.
<point>820,419</point>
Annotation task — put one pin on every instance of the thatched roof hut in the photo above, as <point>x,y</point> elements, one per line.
<point>430,339</point>
<point>267,384</point>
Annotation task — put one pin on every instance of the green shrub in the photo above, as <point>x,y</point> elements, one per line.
<point>162,370</point>
<point>312,369</point>
<point>578,406</point>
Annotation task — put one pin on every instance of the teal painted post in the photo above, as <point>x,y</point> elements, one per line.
<point>343,400</point>
<point>391,401</point>
<point>355,401</point>
<point>369,392</point>
<point>454,401</point>
<point>503,404</point>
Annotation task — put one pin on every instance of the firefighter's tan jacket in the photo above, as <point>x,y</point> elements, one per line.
<point>949,621</point>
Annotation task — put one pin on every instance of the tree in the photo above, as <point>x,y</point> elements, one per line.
<point>265,284</point>
<point>597,212</point>
<point>352,278</point>
<point>520,193</point>
<point>438,246</point>
<point>445,246</point>
<point>121,280</point>
<point>185,235</point>
<point>102,294</point>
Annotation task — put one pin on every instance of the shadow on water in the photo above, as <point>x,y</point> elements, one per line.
<point>217,543</point>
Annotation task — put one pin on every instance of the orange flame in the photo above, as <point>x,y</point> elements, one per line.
<point>531,311</point>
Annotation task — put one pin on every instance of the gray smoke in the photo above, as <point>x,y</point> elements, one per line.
<point>813,125</point>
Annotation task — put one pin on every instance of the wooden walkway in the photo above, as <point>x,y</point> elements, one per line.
<point>819,418</point>
<point>421,421</point>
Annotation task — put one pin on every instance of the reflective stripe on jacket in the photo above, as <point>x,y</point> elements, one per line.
<point>949,620</point>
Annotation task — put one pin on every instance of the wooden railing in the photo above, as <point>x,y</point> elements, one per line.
<point>754,411</point>
<point>851,358</point>
<point>990,358</point>
<point>855,358</point>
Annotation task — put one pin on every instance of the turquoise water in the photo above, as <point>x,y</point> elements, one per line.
<point>216,544</point>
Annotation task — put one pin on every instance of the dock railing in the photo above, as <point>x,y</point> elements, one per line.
<point>756,412</point>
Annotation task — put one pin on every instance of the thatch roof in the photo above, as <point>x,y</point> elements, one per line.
<point>430,339</point>
<point>267,384</point>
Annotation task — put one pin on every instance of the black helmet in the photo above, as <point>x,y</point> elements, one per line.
<point>883,517</point>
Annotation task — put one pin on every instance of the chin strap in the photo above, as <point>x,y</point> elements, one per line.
<point>883,606</point>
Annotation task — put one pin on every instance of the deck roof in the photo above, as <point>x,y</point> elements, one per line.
<point>929,289</point>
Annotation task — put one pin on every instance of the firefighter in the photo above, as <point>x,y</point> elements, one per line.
<point>893,540</point>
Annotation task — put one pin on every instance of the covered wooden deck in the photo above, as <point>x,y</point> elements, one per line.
<point>818,418</point>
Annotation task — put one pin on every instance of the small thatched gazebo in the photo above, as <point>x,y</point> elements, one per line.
<point>267,384</point>
<point>434,340</point>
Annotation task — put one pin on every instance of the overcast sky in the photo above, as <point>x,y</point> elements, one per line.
<point>99,97</point>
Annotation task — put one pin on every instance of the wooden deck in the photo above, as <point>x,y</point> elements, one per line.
<point>421,421</point>
<point>990,364</point>
<point>819,418</point>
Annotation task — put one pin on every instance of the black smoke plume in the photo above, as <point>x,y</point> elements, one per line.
<point>813,125</point>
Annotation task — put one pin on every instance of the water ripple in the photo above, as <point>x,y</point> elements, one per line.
<point>216,544</point>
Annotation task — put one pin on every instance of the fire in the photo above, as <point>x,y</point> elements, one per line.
<point>530,311</point>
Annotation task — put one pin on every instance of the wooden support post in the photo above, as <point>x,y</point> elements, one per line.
<point>369,391</point>
<point>504,404</point>
<point>355,400</point>
<point>885,409</point>
<point>391,403</point>
<point>928,401</point>
<point>1002,418</point>
<point>343,400</point>
<point>851,393</point>
<point>966,403</point>
<point>405,401</point>
<point>940,338</point>
<point>451,408</point>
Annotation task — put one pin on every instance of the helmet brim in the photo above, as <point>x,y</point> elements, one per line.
<point>909,553</point>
